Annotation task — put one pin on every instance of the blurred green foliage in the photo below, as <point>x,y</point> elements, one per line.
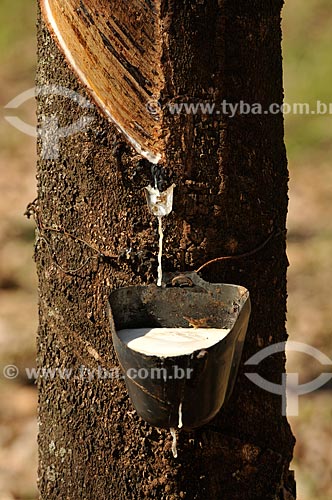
<point>17,62</point>
<point>18,19</point>
<point>307,53</point>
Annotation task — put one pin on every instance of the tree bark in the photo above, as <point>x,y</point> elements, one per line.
<point>231,194</point>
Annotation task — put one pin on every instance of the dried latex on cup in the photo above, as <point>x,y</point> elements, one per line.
<point>160,204</point>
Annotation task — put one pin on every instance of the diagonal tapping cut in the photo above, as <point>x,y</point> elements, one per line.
<point>115,48</point>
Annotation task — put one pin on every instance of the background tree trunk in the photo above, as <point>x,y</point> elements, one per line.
<point>231,177</point>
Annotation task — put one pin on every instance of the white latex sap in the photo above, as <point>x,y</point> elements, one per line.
<point>167,342</point>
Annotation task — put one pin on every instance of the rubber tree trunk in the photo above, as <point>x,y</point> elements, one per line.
<point>231,194</point>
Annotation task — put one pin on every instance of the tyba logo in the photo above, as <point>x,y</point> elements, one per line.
<point>289,389</point>
<point>50,132</point>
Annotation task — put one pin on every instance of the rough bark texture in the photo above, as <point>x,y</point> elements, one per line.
<point>231,178</point>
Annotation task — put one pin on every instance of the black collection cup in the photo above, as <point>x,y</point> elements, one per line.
<point>186,390</point>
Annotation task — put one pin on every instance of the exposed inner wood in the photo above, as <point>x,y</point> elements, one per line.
<point>115,49</point>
